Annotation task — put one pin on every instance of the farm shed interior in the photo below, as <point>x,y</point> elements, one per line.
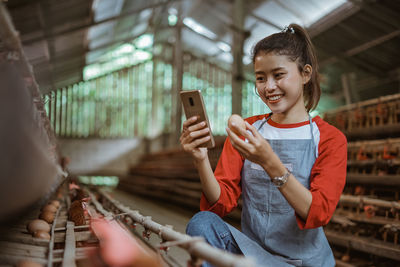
<point>91,118</point>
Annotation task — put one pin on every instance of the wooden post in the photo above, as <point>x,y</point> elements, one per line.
<point>353,87</point>
<point>346,89</point>
<point>157,91</point>
<point>237,53</point>
<point>176,107</point>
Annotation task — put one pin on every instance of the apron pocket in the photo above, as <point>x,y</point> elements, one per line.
<point>256,189</point>
<point>279,203</point>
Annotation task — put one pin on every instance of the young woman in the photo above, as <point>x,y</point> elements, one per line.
<point>289,168</point>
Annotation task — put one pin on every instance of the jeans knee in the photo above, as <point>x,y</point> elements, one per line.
<point>201,223</point>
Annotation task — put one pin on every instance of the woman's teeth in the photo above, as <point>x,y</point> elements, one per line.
<point>276,97</point>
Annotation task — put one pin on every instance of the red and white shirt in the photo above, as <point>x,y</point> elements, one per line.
<point>328,175</point>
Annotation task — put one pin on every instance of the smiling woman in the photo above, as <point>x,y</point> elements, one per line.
<point>290,169</point>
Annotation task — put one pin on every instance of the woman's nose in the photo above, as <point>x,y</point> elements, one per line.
<point>270,85</point>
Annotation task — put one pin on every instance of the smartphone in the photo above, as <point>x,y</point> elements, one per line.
<point>193,105</point>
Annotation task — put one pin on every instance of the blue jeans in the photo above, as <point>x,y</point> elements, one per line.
<point>210,226</point>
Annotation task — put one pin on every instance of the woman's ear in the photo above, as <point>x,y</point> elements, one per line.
<point>307,72</point>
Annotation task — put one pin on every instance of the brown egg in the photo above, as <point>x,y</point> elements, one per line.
<point>238,121</point>
<point>55,203</point>
<point>346,258</point>
<point>50,208</point>
<point>37,225</point>
<point>47,216</point>
<point>42,235</point>
<point>28,263</point>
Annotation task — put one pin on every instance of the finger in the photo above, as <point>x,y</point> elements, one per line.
<point>197,126</point>
<point>251,136</point>
<point>237,141</point>
<point>189,121</point>
<point>190,146</point>
<point>243,132</point>
<point>239,149</point>
<point>194,135</point>
<point>252,129</point>
<point>186,125</point>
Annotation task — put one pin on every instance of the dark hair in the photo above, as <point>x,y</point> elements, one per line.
<point>295,43</point>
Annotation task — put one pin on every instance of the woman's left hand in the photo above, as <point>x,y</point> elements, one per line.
<point>257,149</point>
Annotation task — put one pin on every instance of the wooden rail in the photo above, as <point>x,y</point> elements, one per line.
<point>369,245</point>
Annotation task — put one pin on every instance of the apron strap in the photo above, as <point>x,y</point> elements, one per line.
<point>312,136</point>
<point>311,130</point>
<point>262,124</point>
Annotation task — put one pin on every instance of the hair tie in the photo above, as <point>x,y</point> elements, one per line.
<point>288,29</point>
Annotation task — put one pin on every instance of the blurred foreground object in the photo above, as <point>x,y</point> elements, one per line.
<point>28,168</point>
<point>118,247</point>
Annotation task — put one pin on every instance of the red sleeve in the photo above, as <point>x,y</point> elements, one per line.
<point>328,176</point>
<point>228,175</point>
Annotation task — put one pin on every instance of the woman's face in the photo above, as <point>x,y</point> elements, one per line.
<point>279,83</point>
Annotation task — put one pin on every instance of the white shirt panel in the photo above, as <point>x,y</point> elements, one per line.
<point>274,133</point>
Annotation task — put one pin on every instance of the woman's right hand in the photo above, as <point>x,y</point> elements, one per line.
<point>194,134</point>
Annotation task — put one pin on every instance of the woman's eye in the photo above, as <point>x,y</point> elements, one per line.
<point>260,79</point>
<point>278,75</point>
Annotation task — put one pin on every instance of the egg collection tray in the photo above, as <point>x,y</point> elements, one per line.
<point>86,244</point>
<point>370,119</point>
<point>18,247</point>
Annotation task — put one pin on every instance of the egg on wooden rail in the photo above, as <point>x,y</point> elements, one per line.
<point>42,235</point>
<point>37,225</point>
<point>55,203</point>
<point>236,120</point>
<point>50,208</point>
<point>47,216</point>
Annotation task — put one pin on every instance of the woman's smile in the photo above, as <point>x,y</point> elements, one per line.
<point>272,99</point>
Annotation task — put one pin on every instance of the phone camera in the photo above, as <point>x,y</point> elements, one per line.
<point>191,101</point>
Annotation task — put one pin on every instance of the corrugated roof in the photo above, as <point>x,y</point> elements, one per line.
<point>60,38</point>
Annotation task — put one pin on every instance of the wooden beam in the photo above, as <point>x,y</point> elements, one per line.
<point>373,81</point>
<point>336,16</point>
<point>357,178</point>
<point>205,37</point>
<point>361,48</point>
<point>266,21</point>
<point>353,61</point>
<point>378,11</point>
<point>372,43</point>
<point>94,23</point>
<point>290,9</point>
<point>224,19</point>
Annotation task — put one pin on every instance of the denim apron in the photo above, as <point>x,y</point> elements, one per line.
<point>270,234</point>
